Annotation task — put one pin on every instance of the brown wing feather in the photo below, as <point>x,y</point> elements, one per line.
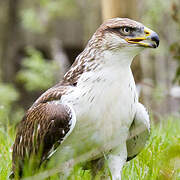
<point>51,94</point>
<point>43,126</point>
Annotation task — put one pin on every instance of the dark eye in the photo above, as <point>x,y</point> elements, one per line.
<point>126,31</point>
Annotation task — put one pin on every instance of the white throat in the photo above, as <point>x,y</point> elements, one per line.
<point>113,67</point>
<point>118,59</point>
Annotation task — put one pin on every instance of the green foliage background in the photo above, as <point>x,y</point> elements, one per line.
<point>36,73</point>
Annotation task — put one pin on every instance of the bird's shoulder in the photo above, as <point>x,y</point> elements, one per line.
<point>51,94</point>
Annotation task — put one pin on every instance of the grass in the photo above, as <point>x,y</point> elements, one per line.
<point>6,141</point>
<point>160,160</point>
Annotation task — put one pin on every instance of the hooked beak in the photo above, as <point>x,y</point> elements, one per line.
<point>149,39</point>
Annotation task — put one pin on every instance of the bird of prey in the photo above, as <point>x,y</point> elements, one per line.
<point>95,106</point>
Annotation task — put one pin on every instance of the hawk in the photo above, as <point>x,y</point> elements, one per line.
<point>95,106</point>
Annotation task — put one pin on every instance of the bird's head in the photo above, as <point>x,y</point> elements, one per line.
<point>124,33</point>
<point>115,43</point>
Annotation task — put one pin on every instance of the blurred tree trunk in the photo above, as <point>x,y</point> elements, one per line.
<point>120,8</point>
<point>90,20</point>
<point>10,42</point>
<point>124,8</point>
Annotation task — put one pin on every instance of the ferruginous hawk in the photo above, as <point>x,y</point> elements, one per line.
<point>95,106</point>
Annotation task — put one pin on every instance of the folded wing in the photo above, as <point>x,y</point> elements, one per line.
<point>45,126</point>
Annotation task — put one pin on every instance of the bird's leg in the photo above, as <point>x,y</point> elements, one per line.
<point>96,167</point>
<point>116,161</point>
